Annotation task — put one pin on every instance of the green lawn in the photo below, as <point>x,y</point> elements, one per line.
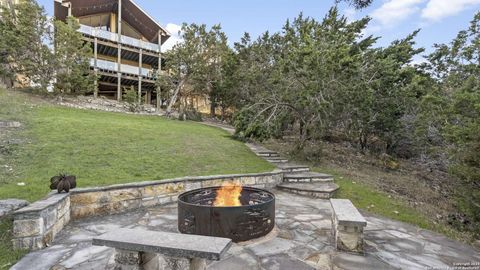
<point>8,256</point>
<point>374,201</point>
<point>103,148</point>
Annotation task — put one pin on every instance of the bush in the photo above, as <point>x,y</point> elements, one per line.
<point>248,126</point>
<point>191,115</point>
<point>131,98</point>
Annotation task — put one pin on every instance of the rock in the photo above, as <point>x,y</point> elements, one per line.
<point>10,205</point>
<point>476,244</point>
<point>273,247</point>
<point>10,124</point>
<point>319,261</point>
<point>282,262</point>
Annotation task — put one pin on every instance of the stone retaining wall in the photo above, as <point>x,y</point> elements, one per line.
<point>119,198</point>
<point>35,226</point>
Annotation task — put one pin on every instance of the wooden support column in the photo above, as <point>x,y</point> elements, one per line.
<point>69,9</point>
<point>159,89</point>
<point>119,54</point>
<point>140,66</point>
<point>148,97</point>
<point>95,67</point>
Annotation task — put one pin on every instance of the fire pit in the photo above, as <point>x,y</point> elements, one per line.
<point>230,211</point>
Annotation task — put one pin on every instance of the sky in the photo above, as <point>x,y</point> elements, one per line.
<point>439,20</point>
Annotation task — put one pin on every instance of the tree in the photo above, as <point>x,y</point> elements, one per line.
<point>213,51</point>
<point>358,4</point>
<point>72,58</point>
<point>452,107</point>
<point>195,65</point>
<point>383,94</point>
<point>25,46</point>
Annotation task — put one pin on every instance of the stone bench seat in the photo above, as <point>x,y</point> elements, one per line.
<point>348,225</point>
<point>143,249</point>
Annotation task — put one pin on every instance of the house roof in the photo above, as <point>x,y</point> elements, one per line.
<point>132,13</point>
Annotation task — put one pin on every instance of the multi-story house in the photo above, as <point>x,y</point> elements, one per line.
<point>126,43</point>
<point>5,2</point>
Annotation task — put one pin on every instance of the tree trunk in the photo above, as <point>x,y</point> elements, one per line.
<point>173,99</point>
<point>223,113</point>
<point>212,109</point>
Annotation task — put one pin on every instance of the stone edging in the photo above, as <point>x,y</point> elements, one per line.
<point>36,225</point>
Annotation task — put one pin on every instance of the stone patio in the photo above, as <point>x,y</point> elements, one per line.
<point>302,240</point>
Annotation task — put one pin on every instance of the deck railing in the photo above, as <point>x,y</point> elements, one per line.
<point>99,33</point>
<point>112,66</point>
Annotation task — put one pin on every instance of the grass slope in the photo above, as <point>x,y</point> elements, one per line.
<point>103,148</point>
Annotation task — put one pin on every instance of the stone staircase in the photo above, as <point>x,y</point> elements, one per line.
<point>298,178</point>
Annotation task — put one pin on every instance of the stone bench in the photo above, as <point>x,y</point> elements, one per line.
<point>348,225</point>
<point>148,250</point>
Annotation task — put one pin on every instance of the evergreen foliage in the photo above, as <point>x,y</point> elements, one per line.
<point>451,109</point>
<point>25,46</point>
<point>72,59</point>
<point>32,52</point>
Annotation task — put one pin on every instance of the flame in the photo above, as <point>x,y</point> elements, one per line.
<point>228,194</point>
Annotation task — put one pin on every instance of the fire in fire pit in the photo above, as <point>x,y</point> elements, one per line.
<point>231,211</point>
<point>228,195</point>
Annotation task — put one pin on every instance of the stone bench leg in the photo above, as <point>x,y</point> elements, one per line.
<point>130,260</point>
<point>127,260</point>
<point>349,238</point>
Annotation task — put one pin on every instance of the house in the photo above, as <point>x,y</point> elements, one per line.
<point>5,2</point>
<point>126,43</point>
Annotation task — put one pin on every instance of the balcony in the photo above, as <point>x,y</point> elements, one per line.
<point>112,66</point>
<point>99,33</point>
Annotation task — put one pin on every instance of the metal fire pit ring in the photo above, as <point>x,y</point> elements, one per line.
<point>255,218</point>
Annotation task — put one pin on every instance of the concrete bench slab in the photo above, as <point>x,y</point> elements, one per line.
<point>347,214</point>
<point>142,249</point>
<point>169,244</point>
<point>348,225</point>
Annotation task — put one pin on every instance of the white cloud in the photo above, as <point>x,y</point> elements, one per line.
<point>417,60</point>
<point>175,37</point>
<point>395,11</point>
<point>350,13</point>
<point>438,9</point>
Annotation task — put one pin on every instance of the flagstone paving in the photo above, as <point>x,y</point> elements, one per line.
<point>301,240</point>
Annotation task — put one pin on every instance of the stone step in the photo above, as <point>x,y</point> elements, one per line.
<point>277,159</point>
<point>317,190</point>
<point>262,151</point>
<point>267,154</point>
<point>292,168</point>
<point>306,177</point>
